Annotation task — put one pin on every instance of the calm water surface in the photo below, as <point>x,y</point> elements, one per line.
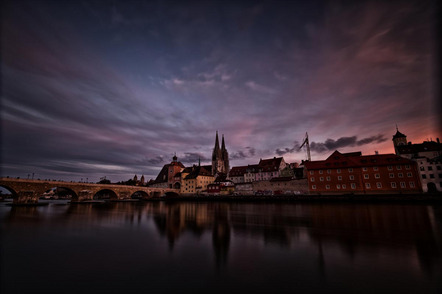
<point>160,247</point>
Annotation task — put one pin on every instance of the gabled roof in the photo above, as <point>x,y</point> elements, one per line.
<point>355,159</point>
<point>398,135</point>
<point>237,171</point>
<point>198,171</point>
<point>270,164</point>
<point>163,175</point>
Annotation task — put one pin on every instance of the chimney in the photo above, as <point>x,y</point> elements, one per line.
<point>376,152</point>
<point>437,139</point>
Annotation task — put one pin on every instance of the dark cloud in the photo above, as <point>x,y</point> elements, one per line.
<point>242,154</point>
<point>331,145</point>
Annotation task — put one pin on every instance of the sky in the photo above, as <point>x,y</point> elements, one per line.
<point>93,89</point>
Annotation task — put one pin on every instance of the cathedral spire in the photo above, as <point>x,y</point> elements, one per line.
<point>223,146</point>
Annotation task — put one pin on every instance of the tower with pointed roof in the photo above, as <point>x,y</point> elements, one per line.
<point>220,157</point>
<point>398,140</point>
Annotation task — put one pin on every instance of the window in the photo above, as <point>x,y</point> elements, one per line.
<point>367,185</point>
<point>390,167</point>
<point>339,178</point>
<point>391,175</point>
<point>409,175</point>
<point>338,170</point>
<point>398,167</point>
<point>329,171</point>
<point>393,185</point>
<point>400,175</point>
<point>421,168</point>
<point>344,186</point>
<point>364,169</point>
<point>314,187</point>
<point>350,170</point>
<point>438,167</point>
<point>377,176</point>
<point>440,175</point>
<point>321,171</point>
<point>407,166</point>
<point>431,176</point>
<point>352,177</point>
<point>312,172</point>
<point>327,187</point>
<point>375,168</point>
<point>312,179</point>
<point>366,176</point>
<point>402,185</point>
<point>328,178</point>
<point>353,185</point>
<point>321,179</point>
<point>411,184</point>
<point>338,186</point>
<point>424,176</point>
<point>379,185</point>
<point>430,168</point>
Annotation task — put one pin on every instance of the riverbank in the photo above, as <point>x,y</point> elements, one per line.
<point>404,198</point>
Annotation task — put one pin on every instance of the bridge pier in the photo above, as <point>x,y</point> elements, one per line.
<point>26,197</point>
<point>85,195</point>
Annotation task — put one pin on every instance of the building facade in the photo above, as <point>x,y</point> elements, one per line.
<point>353,173</point>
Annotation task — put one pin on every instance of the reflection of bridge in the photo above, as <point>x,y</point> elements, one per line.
<point>28,191</point>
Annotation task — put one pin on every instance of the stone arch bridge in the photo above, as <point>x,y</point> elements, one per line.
<point>29,191</point>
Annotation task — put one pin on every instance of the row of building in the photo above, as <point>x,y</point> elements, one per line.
<point>414,168</point>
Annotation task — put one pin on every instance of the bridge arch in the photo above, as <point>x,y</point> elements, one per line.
<point>10,190</point>
<point>61,190</point>
<point>105,194</point>
<point>139,195</point>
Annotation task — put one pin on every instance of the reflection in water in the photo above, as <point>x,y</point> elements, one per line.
<point>329,237</point>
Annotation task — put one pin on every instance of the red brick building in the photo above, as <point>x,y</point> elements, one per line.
<point>345,173</point>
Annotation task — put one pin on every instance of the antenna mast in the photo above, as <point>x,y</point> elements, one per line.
<point>307,145</point>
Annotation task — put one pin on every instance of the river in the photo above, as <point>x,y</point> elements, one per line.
<point>221,247</point>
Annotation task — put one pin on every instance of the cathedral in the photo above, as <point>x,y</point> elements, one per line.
<point>220,158</point>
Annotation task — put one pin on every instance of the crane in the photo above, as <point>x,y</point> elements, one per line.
<point>307,145</point>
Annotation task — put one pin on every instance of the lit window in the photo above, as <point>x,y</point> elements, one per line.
<point>393,185</point>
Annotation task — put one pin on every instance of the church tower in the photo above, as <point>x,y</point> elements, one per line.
<point>220,157</point>
<point>225,157</point>
<point>398,140</point>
